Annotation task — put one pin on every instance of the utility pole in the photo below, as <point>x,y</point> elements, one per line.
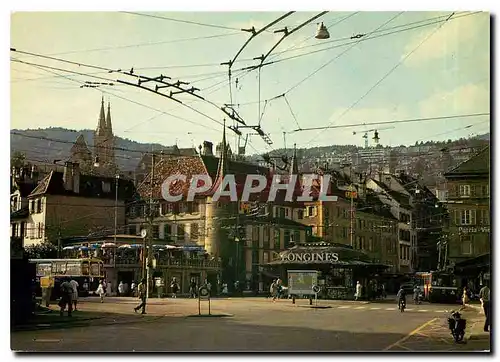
<point>116,207</point>
<point>150,227</point>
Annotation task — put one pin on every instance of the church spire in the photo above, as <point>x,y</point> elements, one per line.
<point>109,127</point>
<point>101,127</point>
<point>294,168</point>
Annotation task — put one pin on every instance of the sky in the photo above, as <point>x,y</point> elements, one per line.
<point>438,69</point>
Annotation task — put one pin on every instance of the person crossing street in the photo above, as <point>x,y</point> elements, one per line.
<point>141,290</point>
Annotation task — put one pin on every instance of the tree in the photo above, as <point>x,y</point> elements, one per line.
<point>44,250</point>
<point>18,159</point>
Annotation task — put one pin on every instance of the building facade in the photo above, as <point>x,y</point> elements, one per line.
<point>468,231</point>
<point>68,203</point>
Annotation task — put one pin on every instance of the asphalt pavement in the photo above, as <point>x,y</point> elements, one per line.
<point>250,324</point>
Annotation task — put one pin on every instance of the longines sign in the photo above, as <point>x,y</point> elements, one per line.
<point>328,257</point>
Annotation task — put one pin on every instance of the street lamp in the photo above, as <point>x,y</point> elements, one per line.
<point>322,32</point>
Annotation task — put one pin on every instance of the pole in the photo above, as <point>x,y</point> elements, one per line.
<point>116,207</point>
<point>351,236</point>
<point>150,226</point>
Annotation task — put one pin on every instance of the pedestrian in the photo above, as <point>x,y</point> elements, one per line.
<point>108,289</point>
<point>273,290</point>
<point>209,286</point>
<point>175,287</point>
<point>66,296</point>
<point>121,289</point>
<point>141,289</point>
<point>192,288</point>
<point>125,288</point>
<point>465,297</point>
<point>74,295</point>
<point>359,288</point>
<point>484,296</point>
<point>100,291</point>
<point>132,288</point>
<point>225,292</point>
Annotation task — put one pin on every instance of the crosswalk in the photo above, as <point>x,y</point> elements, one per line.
<point>369,308</point>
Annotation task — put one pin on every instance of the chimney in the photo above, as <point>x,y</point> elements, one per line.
<point>207,148</point>
<point>68,176</point>
<point>76,178</point>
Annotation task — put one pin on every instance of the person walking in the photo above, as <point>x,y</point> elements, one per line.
<point>74,295</point>
<point>359,289</point>
<point>273,289</point>
<point>141,289</point>
<point>108,289</point>
<point>100,291</point>
<point>121,289</point>
<point>465,297</point>
<point>175,287</point>
<point>66,296</point>
<point>192,288</point>
<point>484,296</point>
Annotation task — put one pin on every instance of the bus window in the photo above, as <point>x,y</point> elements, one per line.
<point>85,268</point>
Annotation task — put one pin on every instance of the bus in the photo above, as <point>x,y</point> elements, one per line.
<point>87,272</point>
<point>438,287</point>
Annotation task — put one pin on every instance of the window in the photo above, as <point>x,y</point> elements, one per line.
<point>39,205</point>
<point>281,212</point>
<point>167,232</point>
<point>277,239</point>
<point>180,233</point>
<point>267,243</point>
<point>32,206</point>
<point>286,212</point>
<point>300,214</point>
<point>467,217</point>
<point>466,243</point>
<point>255,233</point>
<point>194,231</point>
<point>464,190</point>
<point>485,217</point>
<point>370,243</point>
<point>266,257</point>
<point>310,211</point>
<point>485,190</point>
<point>287,238</point>
<point>155,229</point>
<point>163,208</point>
<point>345,232</point>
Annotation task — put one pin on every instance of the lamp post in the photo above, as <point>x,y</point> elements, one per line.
<point>117,177</point>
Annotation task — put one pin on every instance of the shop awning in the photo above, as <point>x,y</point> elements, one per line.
<point>324,254</point>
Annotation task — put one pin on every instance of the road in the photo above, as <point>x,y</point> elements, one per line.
<point>251,324</point>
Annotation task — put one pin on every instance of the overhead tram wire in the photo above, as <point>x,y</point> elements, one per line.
<point>363,39</point>
<point>410,120</point>
<point>181,21</point>
<point>132,101</point>
<point>146,44</point>
<point>390,71</point>
<point>119,81</point>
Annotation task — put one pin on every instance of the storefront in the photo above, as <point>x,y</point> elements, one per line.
<point>339,268</point>
<point>474,272</point>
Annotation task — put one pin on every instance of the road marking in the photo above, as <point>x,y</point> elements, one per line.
<point>390,308</point>
<point>360,308</point>
<point>408,309</point>
<point>47,340</point>
<point>440,311</point>
<point>345,307</point>
<point>416,330</point>
<point>423,310</point>
<point>375,308</point>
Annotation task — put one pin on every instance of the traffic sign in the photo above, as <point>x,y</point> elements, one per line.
<point>204,293</point>
<point>316,289</point>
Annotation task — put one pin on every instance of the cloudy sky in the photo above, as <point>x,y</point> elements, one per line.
<point>408,65</point>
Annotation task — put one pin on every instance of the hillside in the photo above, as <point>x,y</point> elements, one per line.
<point>424,158</point>
<point>42,150</point>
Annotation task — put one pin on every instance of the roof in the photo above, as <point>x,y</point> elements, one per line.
<point>399,197</point>
<point>25,187</point>
<point>193,165</point>
<point>90,187</point>
<point>20,214</point>
<point>346,255</point>
<point>479,164</point>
